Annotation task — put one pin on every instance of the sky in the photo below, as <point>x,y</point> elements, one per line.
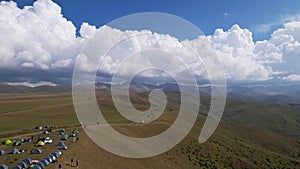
<point>256,41</point>
<point>208,15</point>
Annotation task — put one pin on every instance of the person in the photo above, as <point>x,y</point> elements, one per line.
<point>77,162</point>
<point>72,160</point>
<point>59,166</point>
<point>77,139</point>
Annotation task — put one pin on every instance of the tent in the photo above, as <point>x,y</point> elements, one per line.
<point>72,135</point>
<point>46,132</point>
<point>61,132</point>
<point>36,167</point>
<point>2,152</point>
<point>41,139</point>
<point>7,142</point>
<point>28,161</point>
<point>40,164</point>
<point>14,151</point>
<point>57,153</point>
<point>48,140</point>
<point>52,157</point>
<point>2,166</point>
<point>17,167</point>
<point>40,143</point>
<point>45,162</point>
<point>48,159</point>
<point>60,143</point>
<point>63,147</point>
<point>39,127</point>
<point>75,131</point>
<point>17,143</point>
<point>64,137</point>
<point>23,164</point>
<point>36,151</point>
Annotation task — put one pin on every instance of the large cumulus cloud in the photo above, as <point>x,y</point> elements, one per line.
<point>36,37</point>
<point>37,43</point>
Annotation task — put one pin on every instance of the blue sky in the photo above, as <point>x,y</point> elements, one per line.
<point>256,41</point>
<point>208,15</point>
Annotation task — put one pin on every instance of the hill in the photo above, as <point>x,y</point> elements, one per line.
<point>247,137</point>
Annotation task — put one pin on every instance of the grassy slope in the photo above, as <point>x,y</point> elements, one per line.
<point>234,145</point>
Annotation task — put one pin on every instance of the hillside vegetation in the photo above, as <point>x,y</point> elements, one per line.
<point>251,135</point>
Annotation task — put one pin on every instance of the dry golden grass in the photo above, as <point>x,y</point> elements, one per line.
<point>231,146</point>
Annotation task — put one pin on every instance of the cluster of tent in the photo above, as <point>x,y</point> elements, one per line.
<point>48,131</point>
<point>13,151</point>
<point>43,141</point>
<point>41,127</point>
<point>51,158</point>
<point>27,162</point>
<point>16,142</point>
<point>65,137</point>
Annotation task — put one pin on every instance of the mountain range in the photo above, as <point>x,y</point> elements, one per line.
<point>255,93</point>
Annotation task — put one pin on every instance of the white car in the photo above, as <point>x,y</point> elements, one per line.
<point>48,140</point>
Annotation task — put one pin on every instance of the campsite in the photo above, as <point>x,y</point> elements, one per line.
<point>38,149</point>
<point>234,144</point>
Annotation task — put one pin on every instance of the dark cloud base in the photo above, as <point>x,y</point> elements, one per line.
<point>35,76</point>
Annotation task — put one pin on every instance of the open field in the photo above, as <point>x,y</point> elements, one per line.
<point>250,136</point>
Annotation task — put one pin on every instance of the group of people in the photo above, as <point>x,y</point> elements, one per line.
<point>76,162</point>
<point>72,161</point>
<point>75,139</point>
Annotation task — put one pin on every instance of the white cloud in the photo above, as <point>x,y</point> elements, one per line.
<point>39,37</point>
<point>36,36</point>
<point>267,27</point>
<point>287,40</point>
<point>41,83</point>
<point>236,51</point>
<point>226,15</point>
<point>87,31</point>
<point>292,77</point>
